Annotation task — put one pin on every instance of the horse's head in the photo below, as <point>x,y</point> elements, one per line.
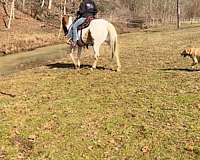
<point>66,23</point>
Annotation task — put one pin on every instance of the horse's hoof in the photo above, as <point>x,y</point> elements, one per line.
<point>118,69</point>
<point>92,69</point>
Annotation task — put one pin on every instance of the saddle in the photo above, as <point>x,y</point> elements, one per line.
<point>85,40</point>
<point>86,23</point>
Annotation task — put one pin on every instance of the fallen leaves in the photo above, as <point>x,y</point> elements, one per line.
<point>191,147</point>
<point>24,145</point>
<point>145,149</point>
<point>2,153</point>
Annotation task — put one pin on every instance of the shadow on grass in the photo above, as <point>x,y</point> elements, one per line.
<point>71,66</point>
<point>180,69</point>
<point>153,30</point>
<point>7,94</point>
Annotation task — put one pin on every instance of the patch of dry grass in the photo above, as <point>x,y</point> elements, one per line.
<point>148,111</point>
<point>25,34</point>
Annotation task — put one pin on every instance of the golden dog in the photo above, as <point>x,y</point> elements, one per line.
<point>193,53</point>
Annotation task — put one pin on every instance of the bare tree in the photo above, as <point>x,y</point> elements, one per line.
<point>23,4</point>
<point>61,16</point>
<point>153,11</point>
<point>4,3</point>
<point>65,7</point>
<point>50,4</point>
<point>178,14</point>
<point>42,5</point>
<point>12,14</point>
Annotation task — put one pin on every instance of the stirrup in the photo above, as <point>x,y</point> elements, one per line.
<point>69,40</point>
<point>73,44</point>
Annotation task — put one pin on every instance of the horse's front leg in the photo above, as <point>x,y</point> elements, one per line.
<point>72,57</point>
<point>94,66</point>
<point>79,57</point>
<point>96,55</point>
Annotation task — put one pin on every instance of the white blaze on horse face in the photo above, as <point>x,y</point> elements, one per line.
<point>69,23</point>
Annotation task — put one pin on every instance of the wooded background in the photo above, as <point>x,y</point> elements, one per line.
<point>152,11</point>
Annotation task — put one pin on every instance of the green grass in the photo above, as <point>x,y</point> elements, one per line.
<point>80,115</point>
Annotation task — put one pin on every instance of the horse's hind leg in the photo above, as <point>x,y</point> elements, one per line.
<point>72,57</point>
<point>118,63</point>
<point>96,55</point>
<point>79,57</point>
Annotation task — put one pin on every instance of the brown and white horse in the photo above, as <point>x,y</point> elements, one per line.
<point>100,31</point>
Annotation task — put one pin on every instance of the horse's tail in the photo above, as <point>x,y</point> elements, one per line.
<point>113,41</point>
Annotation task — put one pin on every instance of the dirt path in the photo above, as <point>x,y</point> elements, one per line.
<point>14,62</point>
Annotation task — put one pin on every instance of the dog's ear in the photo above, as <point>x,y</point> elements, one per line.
<point>188,50</point>
<point>184,53</point>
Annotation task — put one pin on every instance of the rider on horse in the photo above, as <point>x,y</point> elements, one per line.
<point>87,8</point>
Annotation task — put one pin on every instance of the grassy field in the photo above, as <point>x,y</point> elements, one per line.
<point>149,111</point>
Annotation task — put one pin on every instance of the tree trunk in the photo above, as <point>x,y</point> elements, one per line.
<point>178,14</point>
<point>50,4</point>
<point>23,4</point>
<point>42,5</point>
<point>65,12</point>
<point>61,16</point>
<point>5,9</point>
<point>11,13</point>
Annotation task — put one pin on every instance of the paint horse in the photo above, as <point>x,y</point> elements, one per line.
<point>98,32</point>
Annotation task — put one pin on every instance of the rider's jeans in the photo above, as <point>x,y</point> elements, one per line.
<point>74,30</point>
